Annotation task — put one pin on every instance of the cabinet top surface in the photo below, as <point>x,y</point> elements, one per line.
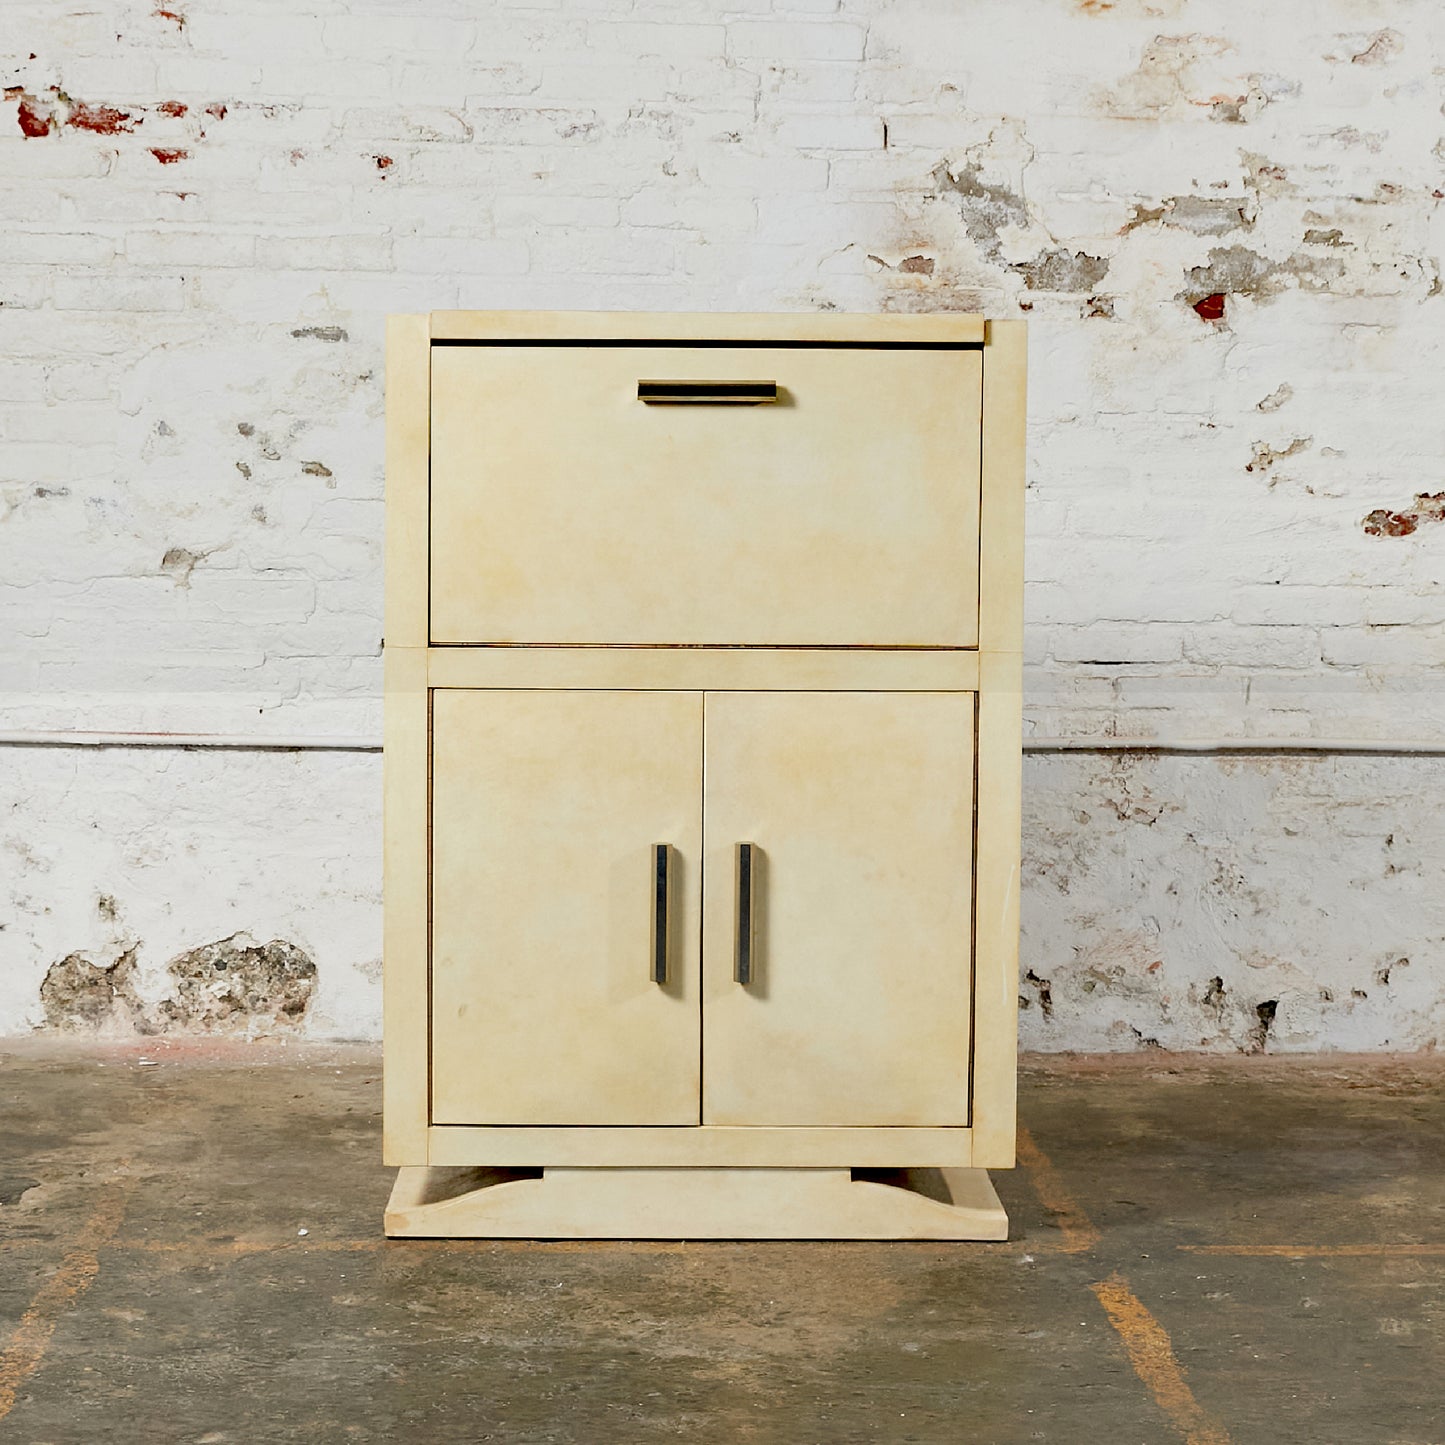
<point>944,328</point>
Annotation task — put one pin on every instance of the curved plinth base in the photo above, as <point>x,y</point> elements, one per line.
<point>695,1204</point>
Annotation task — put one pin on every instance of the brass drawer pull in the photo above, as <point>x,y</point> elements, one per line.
<point>661,897</point>
<point>746,919</point>
<point>707,393</point>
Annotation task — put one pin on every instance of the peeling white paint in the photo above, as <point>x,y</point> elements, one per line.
<point>108,851</point>
<point>1166,900</point>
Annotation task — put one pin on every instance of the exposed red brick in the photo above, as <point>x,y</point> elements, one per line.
<point>169,157</point>
<point>1384,523</point>
<point>217,108</point>
<point>1427,507</point>
<point>34,122</point>
<point>172,107</point>
<point>1211,308</point>
<point>174,16</point>
<point>383,163</point>
<point>102,119</point>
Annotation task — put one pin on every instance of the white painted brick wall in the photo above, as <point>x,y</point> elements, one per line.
<point>1168,900</point>
<point>209,210</point>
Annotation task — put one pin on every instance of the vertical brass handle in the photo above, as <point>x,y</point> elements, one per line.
<point>745,933</point>
<point>661,897</point>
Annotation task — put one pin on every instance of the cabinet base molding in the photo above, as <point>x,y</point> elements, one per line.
<point>471,1203</point>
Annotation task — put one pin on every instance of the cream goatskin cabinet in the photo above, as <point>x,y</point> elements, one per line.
<point>702,774</point>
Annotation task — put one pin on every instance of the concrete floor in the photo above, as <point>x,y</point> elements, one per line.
<point>1244,1250</point>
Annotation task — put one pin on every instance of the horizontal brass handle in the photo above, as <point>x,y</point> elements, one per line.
<point>707,393</point>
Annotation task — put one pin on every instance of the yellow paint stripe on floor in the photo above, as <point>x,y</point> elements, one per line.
<point>1078,1230</point>
<point>26,1346</point>
<point>1319,1251</point>
<point>1151,1352</point>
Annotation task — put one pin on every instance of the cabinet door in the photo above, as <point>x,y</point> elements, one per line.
<point>566,510</point>
<point>547,808</point>
<point>860,810</point>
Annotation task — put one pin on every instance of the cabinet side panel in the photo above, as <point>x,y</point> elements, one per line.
<point>1001,511</point>
<point>408,365</point>
<point>995,1057</point>
<point>404,984</point>
<point>408,424</point>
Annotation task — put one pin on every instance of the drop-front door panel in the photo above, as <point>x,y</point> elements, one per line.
<point>566,510</point>
<point>859,807</point>
<point>547,809</point>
